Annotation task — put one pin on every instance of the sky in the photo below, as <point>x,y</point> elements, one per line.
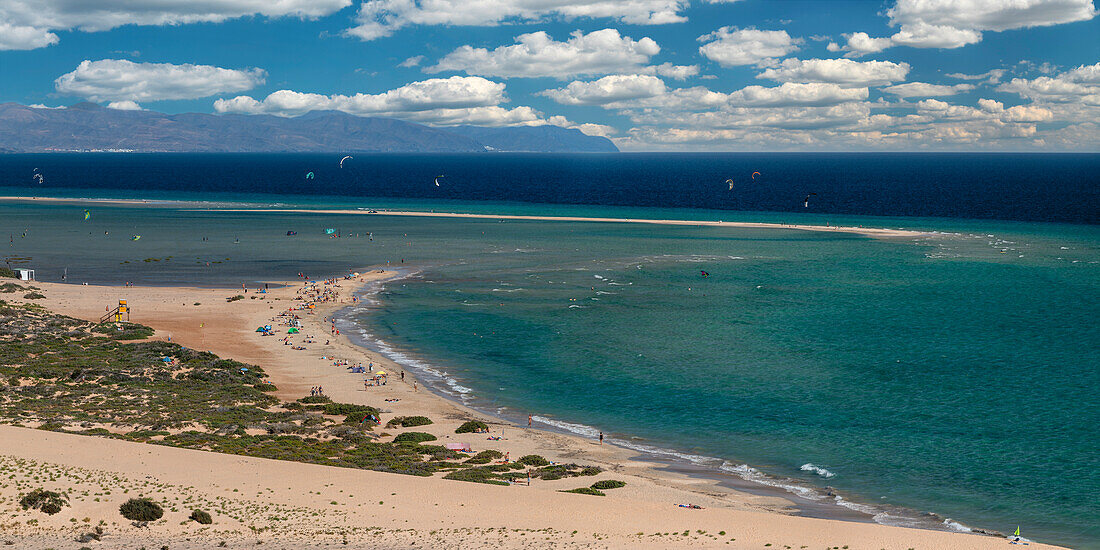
<point>652,75</point>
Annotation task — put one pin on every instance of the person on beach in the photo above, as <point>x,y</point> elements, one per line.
<point>528,421</point>
<point>601,438</point>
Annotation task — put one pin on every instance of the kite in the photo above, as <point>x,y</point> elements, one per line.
<point>730,182</point>
<point>437,180</point>
<point>754,174</point>
<point>343,159</point>
<point>87,215</point>
<point>309,176</point>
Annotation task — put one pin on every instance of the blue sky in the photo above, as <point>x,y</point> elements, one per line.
<point>680,75</point>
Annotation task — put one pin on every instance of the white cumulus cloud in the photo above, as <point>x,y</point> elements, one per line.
<point>437,101</point>
<point>924,89</point>
<point>380,18</point>
<point>802,94</point>
<point>27,24</point>
<point>123,80</point>
<point>1079,85</point>
<point>609,89</point>
<point>729,46</point>
<point>24,37</point>
<point>844,72</point>
<point>537,55</point>
<point>957,23</point>
<point>125,105</point>
<point>991,77</point>
<point>860,43</point>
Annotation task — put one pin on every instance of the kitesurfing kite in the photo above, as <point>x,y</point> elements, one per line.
<point>437,180</point>
<point>291,233</point>
<point>309,176</point>
<point>87,215</point>
<point>754,174</point>
<point>806,203</point>
<point>730,182</point>
<point>329,231</point>
<point>38,178</point>
<point>343,159</point>
<point>135,237</point>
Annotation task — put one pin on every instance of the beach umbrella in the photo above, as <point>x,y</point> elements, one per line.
<point>380,372</point>
<point>261,329</point>
<point>292,331</point>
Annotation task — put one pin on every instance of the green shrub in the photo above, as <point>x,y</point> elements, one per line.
<point>533,460</point>
<point>315,399</point>
<point>141,509</point>
<point>608,484</point>
<point>476,475</point>
<point>124,331</point>
<point>354,414</point>
<point>585,491</point>
<point>201,517</point>
<point>8,288</point>
<point>6,273</point>
<point>49,502</point>
<point>484,457</point>
<point>408,421</point>
<point>414,437</point>
<point>472,426</point>
<point>33,296</point>
<point>234,298</point>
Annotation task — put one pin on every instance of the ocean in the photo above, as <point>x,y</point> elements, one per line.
<point>954,373</point>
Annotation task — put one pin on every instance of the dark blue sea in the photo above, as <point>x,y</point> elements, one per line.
<point>955,374</point>
<point>1062,188</point>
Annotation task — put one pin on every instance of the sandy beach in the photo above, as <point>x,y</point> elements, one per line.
<point>883,233</point>
<point>286,504</point>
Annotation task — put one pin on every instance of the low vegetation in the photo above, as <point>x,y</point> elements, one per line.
<point>414,437</point>
<point>484,457</point>
<point>49,502</point>
<point>471,427</point>
<point>201,517</point>
<point>408,421</point>
<point>141,509</point>
<point>533,460</point>
<point>586,491</point>
<point>606,484</point>
<point>66,375</point>
<point>124,331</point>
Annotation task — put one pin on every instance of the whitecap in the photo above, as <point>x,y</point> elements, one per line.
<point>808,467</point>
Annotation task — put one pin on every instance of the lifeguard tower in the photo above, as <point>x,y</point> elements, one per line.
<point>117,313</point>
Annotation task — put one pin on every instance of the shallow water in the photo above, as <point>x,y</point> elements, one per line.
<point>955,373</point>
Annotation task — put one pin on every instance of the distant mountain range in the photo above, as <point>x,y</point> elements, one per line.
<point>90,127</point>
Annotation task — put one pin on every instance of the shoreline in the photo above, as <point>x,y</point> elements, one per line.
<point>657,485</point>
<point>809,499</point>
<point>882,233</point>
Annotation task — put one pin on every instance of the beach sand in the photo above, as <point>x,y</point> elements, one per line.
<point>294,505</point>
<point>880,233</point>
